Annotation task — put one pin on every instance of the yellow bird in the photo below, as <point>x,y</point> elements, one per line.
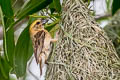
<point>41,40</point>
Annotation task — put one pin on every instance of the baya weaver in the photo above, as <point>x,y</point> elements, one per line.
<point>41,40</point>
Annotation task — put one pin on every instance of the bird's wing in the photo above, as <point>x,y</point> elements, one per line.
<point>39,44</point>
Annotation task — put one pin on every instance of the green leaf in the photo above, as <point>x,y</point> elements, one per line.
<point>55,6</point>
<point>23,51</point>
<point>52,25</point>
<point>6,8</point>
<point>8,38</point>
<point>52,8</point>
<point>115,6</point>
<point>33,6</point>
<point>4,69</point>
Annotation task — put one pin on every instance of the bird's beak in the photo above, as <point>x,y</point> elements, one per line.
<point>44,21</point>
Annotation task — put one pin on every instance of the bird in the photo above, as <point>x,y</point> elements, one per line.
<point>42,42</point>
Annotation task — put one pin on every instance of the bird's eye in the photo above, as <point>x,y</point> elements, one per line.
<point>38,23</point>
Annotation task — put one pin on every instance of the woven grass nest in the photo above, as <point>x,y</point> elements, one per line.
<point>83,51</point>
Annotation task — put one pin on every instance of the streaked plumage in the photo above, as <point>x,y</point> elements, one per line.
<point>41,39</point>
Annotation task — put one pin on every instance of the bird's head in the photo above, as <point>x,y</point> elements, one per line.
<point>38,24</point>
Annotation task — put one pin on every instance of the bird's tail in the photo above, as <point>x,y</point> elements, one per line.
<point>41,63</point>
<point>40,67</point>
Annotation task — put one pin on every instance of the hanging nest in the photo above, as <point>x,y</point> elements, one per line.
<point>83,51</point>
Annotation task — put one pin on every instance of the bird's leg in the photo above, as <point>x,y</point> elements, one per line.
<point>46,62</point>
<point>56,37</point>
